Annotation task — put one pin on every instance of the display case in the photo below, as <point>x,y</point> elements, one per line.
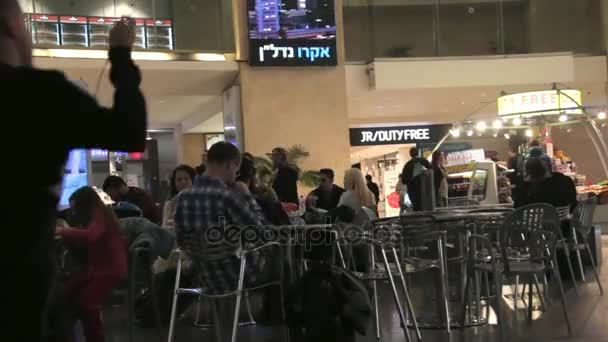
<point>159,34</point>
<point>74,31</point>
<point>94,32</point>
<point>99,31</point>
<point>45,30</point>
<point>140,34</point>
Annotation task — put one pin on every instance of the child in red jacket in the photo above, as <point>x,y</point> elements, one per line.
<point>106,258</point>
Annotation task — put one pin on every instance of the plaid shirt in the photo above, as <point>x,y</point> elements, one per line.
<point>210,203</point>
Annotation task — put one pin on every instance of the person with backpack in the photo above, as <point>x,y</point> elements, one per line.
<point>410,177</point>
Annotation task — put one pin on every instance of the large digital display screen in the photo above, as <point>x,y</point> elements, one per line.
<point>75,177</point>
<point>292,32</point>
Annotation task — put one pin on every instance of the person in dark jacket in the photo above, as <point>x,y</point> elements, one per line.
<point>119,191</point>
<point>515,163</point>
<point>543,186</point>
<point>285,182</point>
<point>106,263</point>
<point>271,207</point>
<point>327,195</point>
<point>373,187</point>
<point>410,177</point>
<point>59,116</point>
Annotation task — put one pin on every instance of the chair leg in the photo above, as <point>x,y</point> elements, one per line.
<point>283,313</point>
<point>159,321</point>
<point>578,255</point>
<point>487,285</point>
<point>444,284</point>
<point>396,297</point>
<point>465,302</point>
<point>570,269</point>
<point>248,306</point>
<point>540,293</point>
<point>530,301</point>
<point>498,284</point>
<point>597,277</point>
<point>131,296</point>
<point>408,300</point>
<point>376,313</point>
<point>546,290</point>
<point>515,295</point>
<point>217,322</point>
<point>477,296</point>
<point>237,306</point>
<point>175,298</point>
<point>523,294</point>
<point>562,296</point>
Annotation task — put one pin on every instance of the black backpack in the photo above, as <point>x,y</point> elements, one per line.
<point>328,304</point>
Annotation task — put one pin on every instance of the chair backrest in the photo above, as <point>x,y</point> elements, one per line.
<point>582,218</point>
<point>563,212</point>
<point>530,233</point>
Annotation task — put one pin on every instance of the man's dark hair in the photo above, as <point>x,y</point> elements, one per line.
<point>368,178</point>
<point>112,182</point>
<point>329,173</point>
<point>535,168</point>
<point>534,143</point>
<point>222,152</point>
<point>414,152</point>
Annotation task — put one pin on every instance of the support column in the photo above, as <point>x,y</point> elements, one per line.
<point>285,106</point>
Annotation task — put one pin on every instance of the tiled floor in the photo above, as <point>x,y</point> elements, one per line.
<point>588,314</point>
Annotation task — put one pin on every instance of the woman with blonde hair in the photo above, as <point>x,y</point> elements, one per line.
<point>357,193</point>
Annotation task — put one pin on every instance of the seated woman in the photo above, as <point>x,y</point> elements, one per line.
<point>182,178</point>
<point>357,194</point>
<point>106,258</point>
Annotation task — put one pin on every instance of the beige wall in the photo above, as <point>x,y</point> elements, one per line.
<point>192,149</point>
<point>578,146</point>
<point>605,23</point>
<point>288,106</point>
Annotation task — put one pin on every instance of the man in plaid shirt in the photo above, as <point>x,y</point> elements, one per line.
<point>215,212</point>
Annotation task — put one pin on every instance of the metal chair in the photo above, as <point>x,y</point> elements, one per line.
<point>138,255</point>
<point>422,234</point>
<point>215,253</point>
<point>564,215</point>
<point>528,244</point>
<point>581,223</point>
<point>386,271</point>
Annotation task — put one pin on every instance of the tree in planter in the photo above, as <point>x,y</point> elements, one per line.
<point>295,154</point>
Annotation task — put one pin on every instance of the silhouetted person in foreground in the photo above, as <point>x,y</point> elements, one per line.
<point>52,116</point>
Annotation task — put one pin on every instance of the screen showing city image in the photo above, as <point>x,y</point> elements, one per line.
<point>292,32</point>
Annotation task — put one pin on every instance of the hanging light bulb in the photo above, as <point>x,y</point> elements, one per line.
<point>470,133</point>
<point>497,124</point>
<point>563,118</point>
<point>517,121</point>
<point>529,133</point>
<point>495,135</point>
<point>481,126</point>
<point>455,132</point>
<point>507,136</point>
<point>601,115</point>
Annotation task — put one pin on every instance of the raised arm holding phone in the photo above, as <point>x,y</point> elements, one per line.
<point>46,116</point>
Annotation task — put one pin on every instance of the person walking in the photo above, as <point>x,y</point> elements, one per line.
<point>410,177</point>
